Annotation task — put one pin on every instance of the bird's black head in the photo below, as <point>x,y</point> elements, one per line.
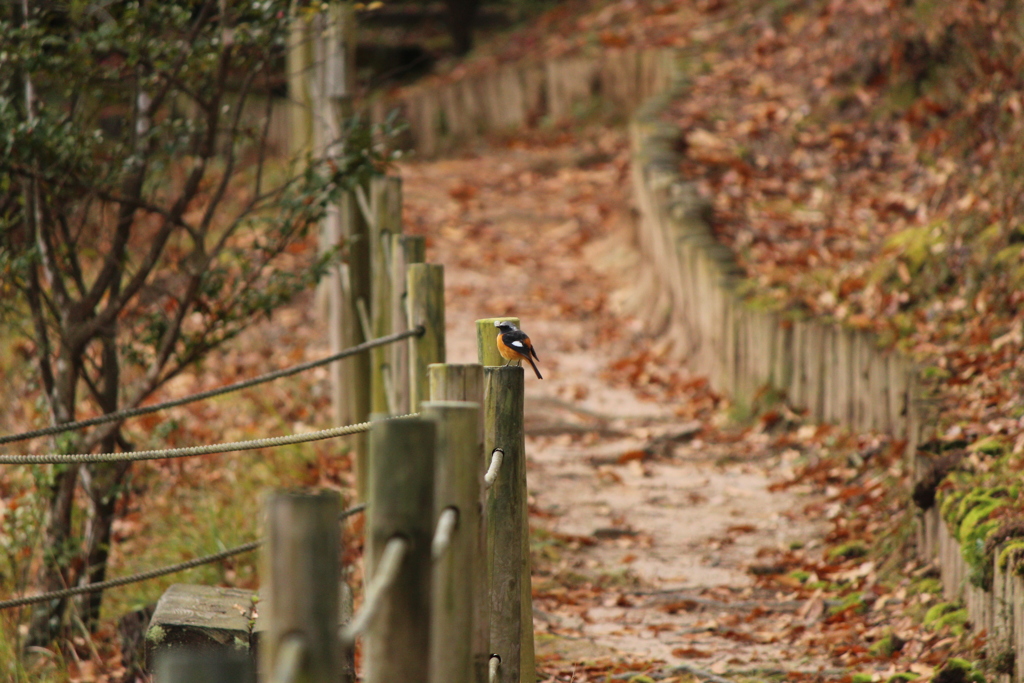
<point>504,325</point>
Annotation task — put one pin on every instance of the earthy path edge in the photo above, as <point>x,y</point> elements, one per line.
<point>837,374</point>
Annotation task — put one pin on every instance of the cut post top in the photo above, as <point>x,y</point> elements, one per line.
<point>486,340</point>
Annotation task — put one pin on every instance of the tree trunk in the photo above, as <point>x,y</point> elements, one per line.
<point>461,17</point>
<point>104,485</point>
<point>103,482</point>
<point>59,550</point>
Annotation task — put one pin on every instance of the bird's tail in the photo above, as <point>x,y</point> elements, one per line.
<point>534,365</point>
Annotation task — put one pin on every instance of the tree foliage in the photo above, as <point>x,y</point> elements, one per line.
<point>145,218</point>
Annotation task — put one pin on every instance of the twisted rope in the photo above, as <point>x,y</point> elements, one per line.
<point>237,386</point>
<point>446,524</point>
<point>152,574</point>
<point>387,571</point>
<point>492,470</point>
<point>188,451</point>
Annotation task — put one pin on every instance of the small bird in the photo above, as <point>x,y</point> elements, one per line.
<point>515,345</point>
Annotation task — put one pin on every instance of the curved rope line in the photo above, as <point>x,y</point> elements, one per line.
<point>152,574</point>
<point>188,451</point>
<point>419,330</point>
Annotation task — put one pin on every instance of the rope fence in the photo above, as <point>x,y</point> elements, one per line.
<point>492,668</point>
<point>492,470</point>
<point>151,574</point>
<point>189,451</point>
<point>290,657</point>
<point>383,578</point>
<point>417,331</point>
<point>446,524</point>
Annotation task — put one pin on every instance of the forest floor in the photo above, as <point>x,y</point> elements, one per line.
<point>673,535</point>
<point>670,534</point>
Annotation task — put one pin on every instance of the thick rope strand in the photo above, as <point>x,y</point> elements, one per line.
<point>152,574</point>
<point>237,386</point>
<point>188,451</point>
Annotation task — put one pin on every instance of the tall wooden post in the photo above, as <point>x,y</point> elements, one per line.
<point>426,308</point>
<point>508,524</point>
<point>405,249</point>
<point>321,79</point>
<point>456,486</point>
<point>350,377</point>
<point>299,596</point>
<point>386,206</point>
<point>466,383</point>
<point>299,62</point>
<point>397,646</point>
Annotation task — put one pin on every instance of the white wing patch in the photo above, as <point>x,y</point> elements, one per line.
<point>517,343</point>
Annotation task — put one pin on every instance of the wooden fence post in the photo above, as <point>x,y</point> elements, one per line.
<point>299,62</point>
<point>405,249</point>
<point>466,383</point>
<point>299,596</point>
<point>397,645</point>
<point>456,486</point>
<point>345,612</point>
<point>204,666</point>
<point>508,527</point>
<point>351,291</point>
<point>486,341</point>
<point>426,308</point>
<point>502,418</point>
<point>321,59</point>
<point>386,207</point>
<point>453,382</point>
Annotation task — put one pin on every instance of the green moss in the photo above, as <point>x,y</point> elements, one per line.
<point>853,602</point>
<point>1012,550</point>
<point>971,500</point>
<point>949,501</point>
<point>992,445</point>
<point>902,677</point>
<point>861,678</point>
<point>889,645</point>
<point>968,512</point>
<point>848,551</point>
<point>955,621</point>
<point>975,516</point>
<point>960,669</point>
<point>974,550</point>
<point>156,634</point>
<point>914,244</point>
<point>929,586</point>
<point>936,612</point>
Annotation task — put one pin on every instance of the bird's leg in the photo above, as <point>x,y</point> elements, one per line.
<point>507,362</point>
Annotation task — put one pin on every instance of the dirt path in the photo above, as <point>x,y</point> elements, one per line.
<point>645,520</point>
